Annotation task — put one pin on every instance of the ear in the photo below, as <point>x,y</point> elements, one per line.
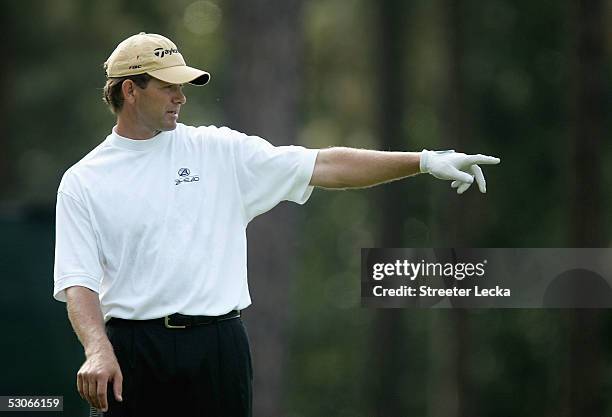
<point>128,88</point>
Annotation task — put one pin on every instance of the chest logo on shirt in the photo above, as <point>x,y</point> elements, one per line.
<point>184,176</point>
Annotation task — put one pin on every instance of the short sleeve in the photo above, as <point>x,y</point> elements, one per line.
<point>76,252</point>
<point>270,174</point>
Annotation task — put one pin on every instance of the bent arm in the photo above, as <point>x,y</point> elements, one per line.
<point>358,168</point>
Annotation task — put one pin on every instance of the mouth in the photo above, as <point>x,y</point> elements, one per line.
<point>173,113</point>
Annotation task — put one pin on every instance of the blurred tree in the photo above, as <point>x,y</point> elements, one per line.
<point>5,83</point>
<point>586,225</point>
<point>454,226</point>
<point>265,44</point>
<point>402,221</point>
<point>587,122</point>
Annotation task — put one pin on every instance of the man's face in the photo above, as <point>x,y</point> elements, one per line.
<point>158,105</point>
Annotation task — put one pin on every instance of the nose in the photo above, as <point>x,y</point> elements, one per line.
<point>179,97</point>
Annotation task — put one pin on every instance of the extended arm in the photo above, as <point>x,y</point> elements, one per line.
<point>100,365</point>
<point>358,168</point>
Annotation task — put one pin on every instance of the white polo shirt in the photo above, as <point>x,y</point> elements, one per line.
<point>158,226</point>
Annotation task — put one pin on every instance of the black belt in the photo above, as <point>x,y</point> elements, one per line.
<point>181,321</point>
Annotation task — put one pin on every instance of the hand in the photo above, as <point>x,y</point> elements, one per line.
<point>459,167</point>
<point>98,369</point>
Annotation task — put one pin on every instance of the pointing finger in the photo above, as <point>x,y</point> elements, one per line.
<point>482,159</point>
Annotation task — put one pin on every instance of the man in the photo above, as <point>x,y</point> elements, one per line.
<point>151,237</point>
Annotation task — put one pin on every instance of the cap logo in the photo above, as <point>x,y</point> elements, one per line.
<point>161,52</point>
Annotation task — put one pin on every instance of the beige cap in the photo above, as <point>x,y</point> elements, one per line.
<point>154,55</point>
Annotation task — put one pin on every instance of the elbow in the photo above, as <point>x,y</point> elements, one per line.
<point>328,170</point>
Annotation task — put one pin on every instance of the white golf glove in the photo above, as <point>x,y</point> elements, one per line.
<point>458,167</point>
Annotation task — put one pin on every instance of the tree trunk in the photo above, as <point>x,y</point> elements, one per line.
<point>587,228</point>
<point>388,337</point>
<point>453,216</point>
<point>588,118</point>
<point>264,76</point>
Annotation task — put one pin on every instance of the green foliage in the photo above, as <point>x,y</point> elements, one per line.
<point>515,69</point>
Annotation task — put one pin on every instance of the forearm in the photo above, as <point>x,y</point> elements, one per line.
<point>86,318</point>
<point>358,168</point>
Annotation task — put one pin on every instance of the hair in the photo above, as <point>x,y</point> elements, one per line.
<point>113,96</point>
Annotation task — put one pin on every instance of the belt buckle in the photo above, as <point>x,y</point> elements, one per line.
<point>167,324</point>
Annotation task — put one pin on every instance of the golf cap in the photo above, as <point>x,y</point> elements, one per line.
<point>148,53</point>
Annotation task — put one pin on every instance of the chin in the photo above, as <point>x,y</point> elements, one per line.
<point>167,127</point>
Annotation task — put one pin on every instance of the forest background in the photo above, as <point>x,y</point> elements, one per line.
<point>527,81</point>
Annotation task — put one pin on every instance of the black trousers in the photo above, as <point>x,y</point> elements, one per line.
<point>203,370</point>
